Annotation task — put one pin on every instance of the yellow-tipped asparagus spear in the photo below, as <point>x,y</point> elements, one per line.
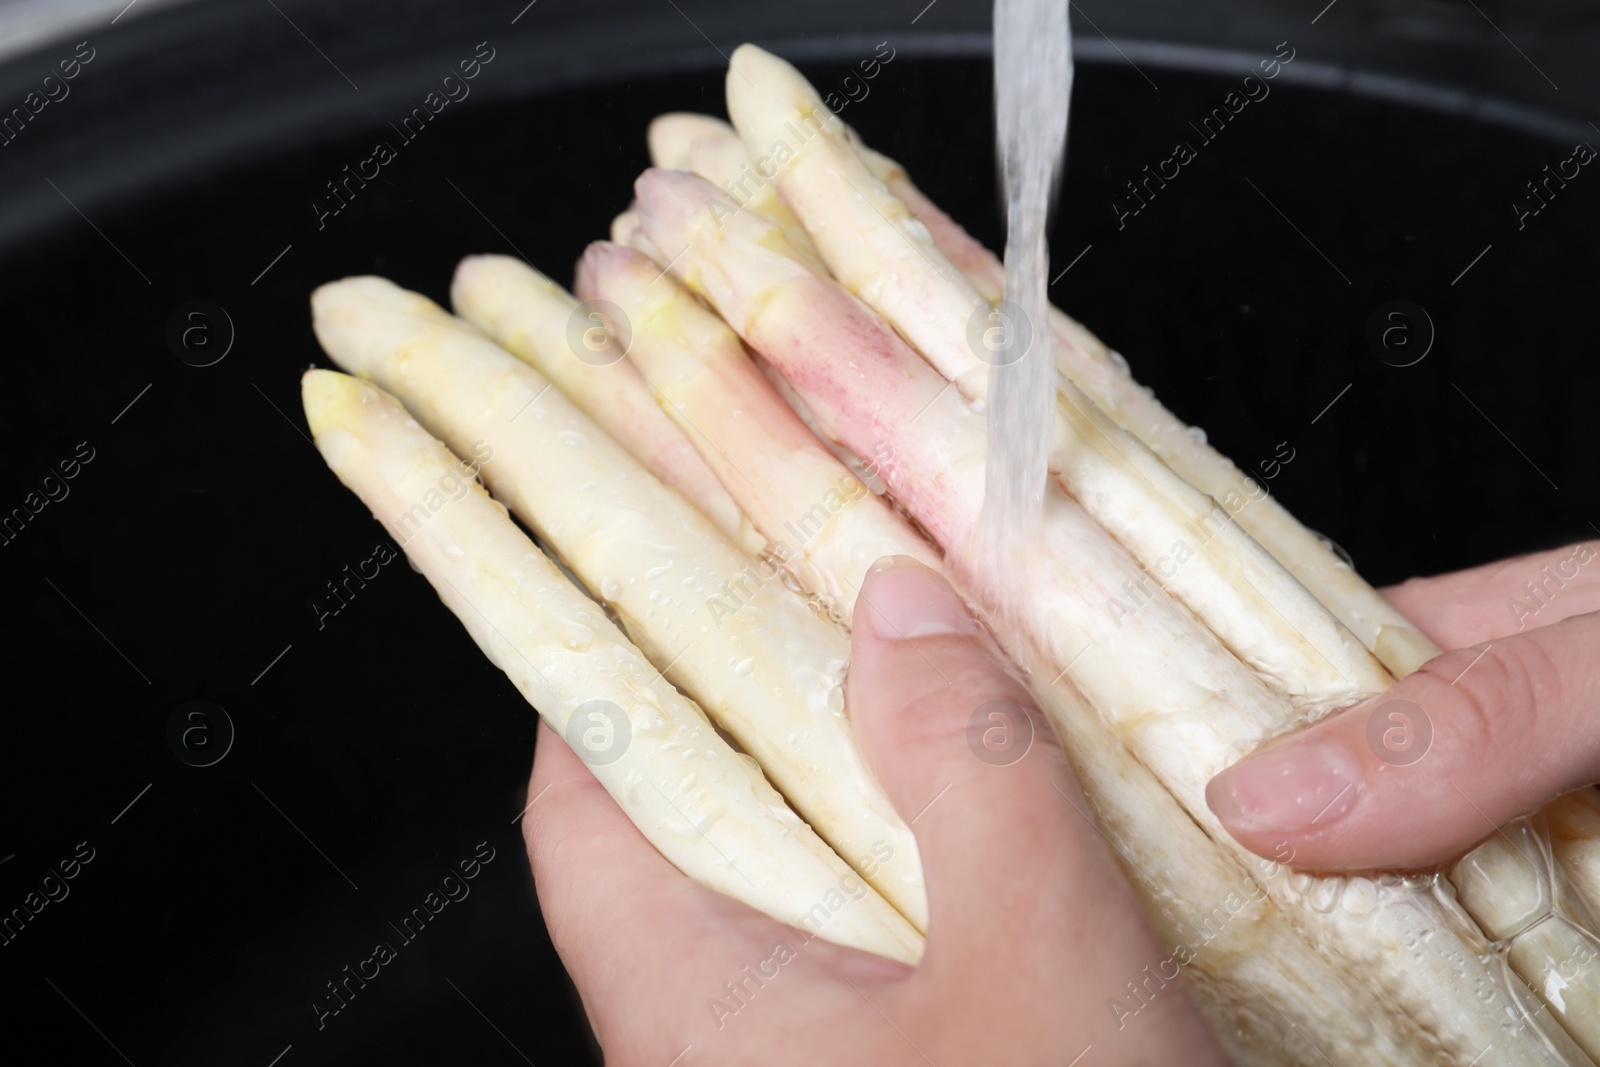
<point>704,806</point>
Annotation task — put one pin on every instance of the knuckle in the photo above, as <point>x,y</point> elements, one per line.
<point>1485,700</point>
<point>934,715</point>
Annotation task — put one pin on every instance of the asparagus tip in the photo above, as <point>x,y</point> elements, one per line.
<point>672,137</point>
<point>327,396</point>
<point>600,261</point>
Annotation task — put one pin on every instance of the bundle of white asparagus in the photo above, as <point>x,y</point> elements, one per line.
<point>754,403</point>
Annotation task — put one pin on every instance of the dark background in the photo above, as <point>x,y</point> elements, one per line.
<point>381,749</point>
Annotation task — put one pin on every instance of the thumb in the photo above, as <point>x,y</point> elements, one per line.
<point>967,759</point>
<point>1419,775</point>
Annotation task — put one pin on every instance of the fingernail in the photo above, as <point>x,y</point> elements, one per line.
<point>908,600</point>
<point>1299,786</point>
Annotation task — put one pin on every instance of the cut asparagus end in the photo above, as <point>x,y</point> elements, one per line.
<point>706,808</point>
<point>1514,889</point>
<point>1273,998</point>
<point>722,626</point>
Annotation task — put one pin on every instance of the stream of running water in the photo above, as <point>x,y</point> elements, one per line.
<point>1032,88</point>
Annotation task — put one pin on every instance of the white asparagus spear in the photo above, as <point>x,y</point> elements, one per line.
<point>704,806</point>
<point>1183,704</point>
<point>536,320</point>
<point>1185,541</point>
<point>723,627</point>
<point>792,487</point>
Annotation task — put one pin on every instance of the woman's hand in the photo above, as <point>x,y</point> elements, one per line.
<point>1033,930</point>
<point>1505,722</point>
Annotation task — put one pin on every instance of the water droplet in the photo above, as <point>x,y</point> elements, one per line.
<point>1325,894</point>
<point>610,588</point>
<point>1360,896</point>
<point>572,438</point>
<point>744,666</point>
<point>1344,557</point>
<point>1197,435</point>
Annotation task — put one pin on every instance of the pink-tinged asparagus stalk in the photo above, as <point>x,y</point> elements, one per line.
<point>721,626</point>
<point>792,488</point>
<point>1185,540</point>
<point>685,141</point>
<point>703,805</point>
<point>1167,688</point>
<point>536,320</point>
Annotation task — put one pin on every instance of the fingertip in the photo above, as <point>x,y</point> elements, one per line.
<point>1420,775</point>
<point>902,599</point>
